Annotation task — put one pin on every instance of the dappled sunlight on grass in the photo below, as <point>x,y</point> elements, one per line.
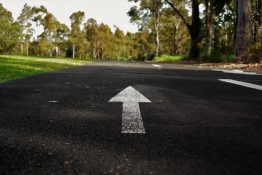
<point>13,67</point>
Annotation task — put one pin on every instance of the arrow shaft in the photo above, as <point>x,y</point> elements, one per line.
<point>131,118</point>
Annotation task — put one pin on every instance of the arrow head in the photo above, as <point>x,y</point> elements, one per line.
<point>130,95</point>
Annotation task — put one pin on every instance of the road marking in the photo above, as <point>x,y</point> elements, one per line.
<point>240,83</point>
<point>157,65</point>
<point>132,122</point>
<point>51,101</point>
<point>236,72</point>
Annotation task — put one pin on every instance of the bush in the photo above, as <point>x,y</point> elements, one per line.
<point>168,58</point>
<point>123,59</point>
<point>253,55</point>
<point>218,58</point>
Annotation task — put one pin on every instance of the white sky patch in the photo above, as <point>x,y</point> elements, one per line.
<point>111,12</point>
<point>244,84</point>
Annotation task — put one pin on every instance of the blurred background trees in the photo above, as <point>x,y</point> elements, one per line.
<point>199,30</point>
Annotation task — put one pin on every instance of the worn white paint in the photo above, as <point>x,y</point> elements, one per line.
<point>240,83</point>
<point>157,65</point>
<point>52,101</point>
<point>131,118</point>
<point>236,72</point>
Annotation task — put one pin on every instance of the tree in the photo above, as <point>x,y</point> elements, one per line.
<point>194,27</point>
<point>45,46</point>
<point>10,32</point>
<point>50,28</point>
<point>120,47</point>
<point>91,34</point>
<point>209,26</point>
<point>244,33</point>
<point>62,33</point>
<point>257,20</point>
<point>105,37</point>
<point>25,20</point>
<point>42,17</point>
<point>148,11</point>
<point>143,46</point>
<point>174,35</point>
<point>77,37</point>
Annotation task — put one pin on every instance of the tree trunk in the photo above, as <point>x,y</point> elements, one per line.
<point>244,29</point>
<point>27,48</point>
<point>157,42</point>
<point>195,31</point>
<point>259,32</point>
<point>74,48</point>
<point>174,41</point>
<point>235,25</point>
<point>257,22</point>
<point>209,14</point>
<point>22,48</point>
<point>194,28</point>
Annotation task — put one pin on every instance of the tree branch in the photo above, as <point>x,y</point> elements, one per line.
<point>179,14</point>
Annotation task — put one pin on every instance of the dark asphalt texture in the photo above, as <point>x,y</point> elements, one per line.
<point>195,125</point>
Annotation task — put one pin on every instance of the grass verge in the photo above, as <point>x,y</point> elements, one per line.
<point>14,67</point>
<point>168,58</point>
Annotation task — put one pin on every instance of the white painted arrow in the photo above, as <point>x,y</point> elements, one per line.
<point>131,118</point>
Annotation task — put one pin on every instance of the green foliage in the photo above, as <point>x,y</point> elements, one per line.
<point>14,67</point>
<point>123,59</point>
<point>77,39</point>
<point>166,27</point>
<point>168,58</point>
<point>174,37</point>
<point>217,58</point>
<point>10,31</point>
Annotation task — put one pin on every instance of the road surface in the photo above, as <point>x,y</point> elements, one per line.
<point>185,121</point>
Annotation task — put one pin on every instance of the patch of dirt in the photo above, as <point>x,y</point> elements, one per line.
<point>247,67</point>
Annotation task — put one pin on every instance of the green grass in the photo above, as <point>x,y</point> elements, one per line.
<point>168,58</point>
<point>14,67</point>
<point>123,59</point>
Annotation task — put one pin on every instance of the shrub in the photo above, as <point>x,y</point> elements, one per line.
<point>218,58</point>
<point>168,58</point>
<point>253,55</point>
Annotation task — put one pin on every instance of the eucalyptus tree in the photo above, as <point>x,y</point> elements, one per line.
<point>54,34</point>
<point>257,20</point>
<point>244,27</point>
<point>174,35</point>
<point>144,49</point>
<point>194,25</point>
<point>91,34</point>
<point>77,37</point>
<point>216,10</point>
<point>50,28</point>
<point>10,31</point>
<point>147,14</point>
<point>105,38</point>
<point>209,25</point>
<point>120,44</point>
<point>61,37</point>
<point>42,17</point>
<point>25,20</point>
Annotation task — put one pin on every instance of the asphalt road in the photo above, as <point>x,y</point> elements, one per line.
<point>62,122</point>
